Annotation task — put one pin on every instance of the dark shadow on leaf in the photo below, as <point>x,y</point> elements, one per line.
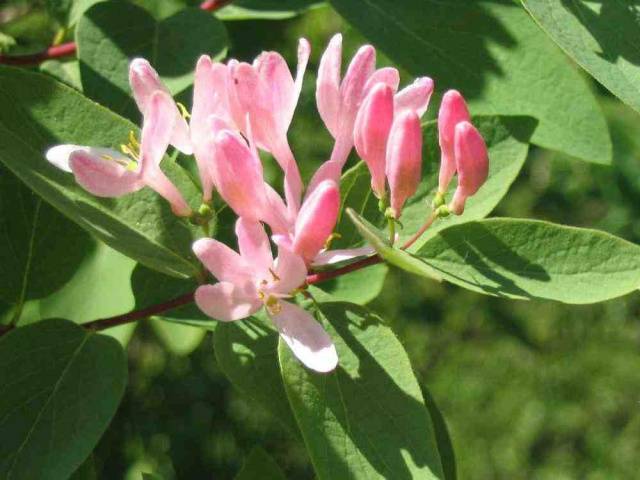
<point>615,27</point>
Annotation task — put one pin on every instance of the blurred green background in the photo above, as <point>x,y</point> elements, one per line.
<point>528,389</point>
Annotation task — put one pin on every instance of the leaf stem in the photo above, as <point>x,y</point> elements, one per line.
<point>69,48</point>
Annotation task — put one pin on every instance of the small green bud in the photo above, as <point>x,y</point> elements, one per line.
<point>443,211</point>
<point>438,200</point>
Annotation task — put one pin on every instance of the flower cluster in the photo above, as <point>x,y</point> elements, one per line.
<point>240,109</point>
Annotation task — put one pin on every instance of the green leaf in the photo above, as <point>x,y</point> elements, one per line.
<point>367,419</point>
<point>87,470</point>
<point>260,466</point>
<point>265,9</point>
<point>445,445</point>
<point>39,248</point>
<point>506,139</point>
<point>38,112</point>
<point>247,353</point>
<point>359,287</point>
<point>534,259</point>
<point>61,386</point>
<point>66,72</point>
<point>495,55</point>
<point>100,288</point>
<point>179,339</point>
<point>600,36</point>
<point>68,12</point>
<point>111,34</point>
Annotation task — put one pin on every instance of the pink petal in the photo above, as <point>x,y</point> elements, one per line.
<point>453,110</point>
<point>253,244</point>
<point>225,264</point>
<point>404,159</point>
<point>329,170</point>
<point>238,175</point>
<point>226,301</point>
<point>306,338</point>
<point>275,214</point>
<point>276,91</point>
<point>328,84</point>
<point>304,51</point>
<point>371,132</point>
<point>291,271</point>
<point>209,94</point>
<point>145,81</point>
<point>60,155</point>
<point>156,132</point>
<point>102,176</point>
<point>316,220</point>
<point>352,88</point>
<point>386,75</point>
<point>158,181</point>
<point>472,163</point>
<point>415,97</point>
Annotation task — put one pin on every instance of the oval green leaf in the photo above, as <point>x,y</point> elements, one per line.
<point>534,259</point>
<point>61,386</point>
<point>495,55</point>
<point>367,419</point>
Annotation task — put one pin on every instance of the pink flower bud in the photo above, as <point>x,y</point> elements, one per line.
<point>316,220</point>
<point>238,175</point>
<point>404,159</point>
<point>453,110</point>
<point>415,96</point>
<point>472,163</point>
<point>371,132</point>
<point>145,81</point>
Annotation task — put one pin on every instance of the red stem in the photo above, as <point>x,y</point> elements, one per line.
<point>69,48</point>
<point>104,323</point>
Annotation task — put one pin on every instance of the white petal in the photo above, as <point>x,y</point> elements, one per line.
<point>330,257</point>
<point>306,338</point>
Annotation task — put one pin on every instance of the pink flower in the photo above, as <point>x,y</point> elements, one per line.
<point>238,176</point>
<point>145,81</point>
<point>339,103</point>
<point>252,280</point>
<point>472,164</point>
<point>314,224</point>
<point>210,100</point>
<point>404,159</point>
<point>453,110</point>
<point>266,93</point>
<point>392,149</point>
<point>108,173</point>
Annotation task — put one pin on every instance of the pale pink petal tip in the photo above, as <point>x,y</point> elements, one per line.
<point>306,338</point>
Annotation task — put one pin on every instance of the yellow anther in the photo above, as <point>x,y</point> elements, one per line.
<point>183,111</point>
<point>261,295</point>
<point>273,305</point>
<point>332,237</point>
<point>133,141</point>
